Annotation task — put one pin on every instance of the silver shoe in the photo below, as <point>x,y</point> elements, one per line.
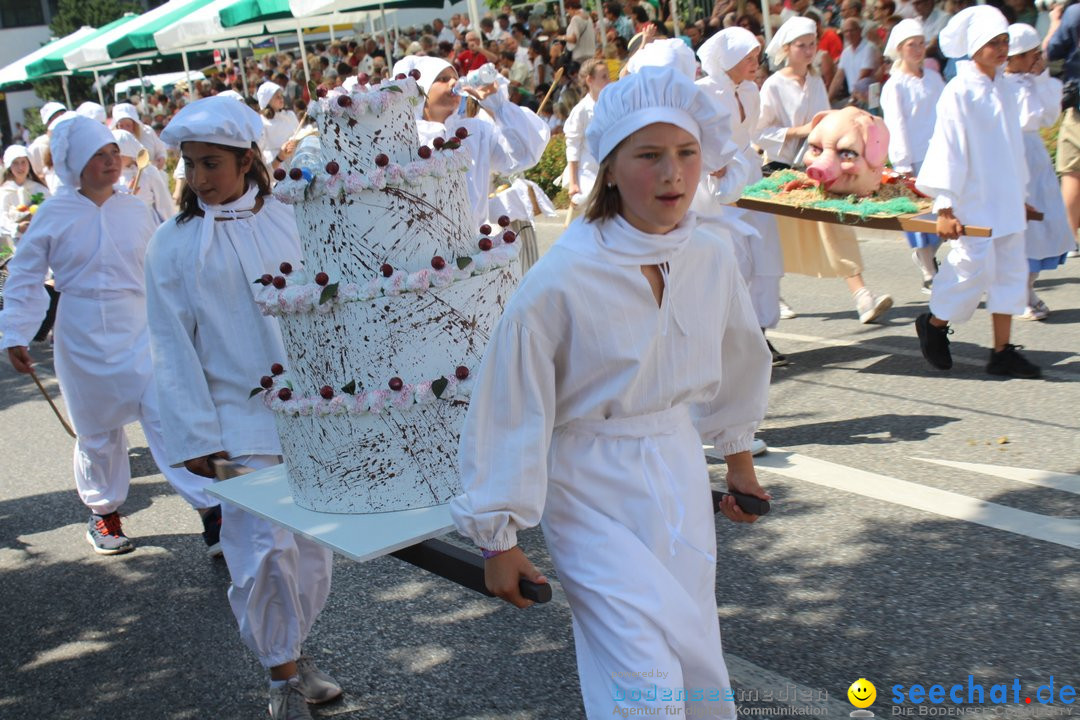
<point>288,703</point>
<point>315,685</point>
<point>869,306</point>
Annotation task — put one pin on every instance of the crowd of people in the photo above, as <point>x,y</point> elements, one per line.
<point>665,126</point>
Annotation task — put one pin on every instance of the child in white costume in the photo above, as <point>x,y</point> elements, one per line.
<point>279,125</point>
<point>976,172</point>
<point>1038,97</point>
<point>211,345</point>
<point>908,101</point>
<point>581,167</point>
<point>627,345</point>
<point>20,186</point>
<point>94,240</point>
<point>153,187</point>
<point>126,117</point>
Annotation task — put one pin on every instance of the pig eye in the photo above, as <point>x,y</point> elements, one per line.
<point>816,149</point>
<point>848,155</point>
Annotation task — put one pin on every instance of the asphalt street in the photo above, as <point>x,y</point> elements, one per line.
<point>926,528</point>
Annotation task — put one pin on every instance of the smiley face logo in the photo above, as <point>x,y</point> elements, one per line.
<point>862,693</point>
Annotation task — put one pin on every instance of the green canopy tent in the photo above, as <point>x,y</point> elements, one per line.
<point>53,63</point>
<point>15,73</point>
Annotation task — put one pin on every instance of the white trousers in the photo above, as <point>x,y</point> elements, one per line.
<point>994,267</point>
<point>103,473</point>
<point>280,581</point>
<point>761,265</point>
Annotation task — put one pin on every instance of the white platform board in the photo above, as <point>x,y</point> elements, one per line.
<point>360,537</point>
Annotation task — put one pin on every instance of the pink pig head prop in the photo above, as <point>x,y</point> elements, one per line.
<point>846,151</point>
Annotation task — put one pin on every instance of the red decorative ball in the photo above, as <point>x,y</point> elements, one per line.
<point>438,263</point>
<point>344,100</point>
<point>321,91</point>
<point>332,167</point>
<point>485,229</point>
<point>285,268</point>
<point>280,174</point>
<point>399,76</point>
<point>363,78</point>
<point>424,152</point>
<point>322,278</point>
<point>485,244</point>
<point>437,143</point>
<point>284,394</point>
<point>381,160</point>
<point>509,236</point>
<point>276,369</point>
<point>503,221</point>
<point>387,270</point>
<point>396,384</point>
<point>414,74</point>
<point>461,373</point>
<point>461,133</point>
<point>279,282</point>
<point>327,392</point>
<point>296,174</point>
<point>266,381</point>
<point>266,279</point>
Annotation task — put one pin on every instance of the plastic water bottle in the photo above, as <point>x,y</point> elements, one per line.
<point>481,76</point>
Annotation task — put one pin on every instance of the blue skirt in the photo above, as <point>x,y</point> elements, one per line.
<point>920,239</point>
<point>1050,263</point>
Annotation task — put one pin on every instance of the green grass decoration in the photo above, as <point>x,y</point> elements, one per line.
<point>768,188</point>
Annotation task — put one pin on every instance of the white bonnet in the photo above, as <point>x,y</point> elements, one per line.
<point>232,95</point>
<point>218,119</point>
<point>667,52</point>
<point>129,144</point>
<point>266,93</point>
<point>126,111</point>
<point>13,153</point>
<point>429,68</point>
<point>791,30</point>
<point>904,30</point>
<point>75,139</point>
<point>971,28</point>
<point>93,111</point>
<point>1022,37</point>
<point>726,49</point>
<point>659,95</point>
<point>48,110</point>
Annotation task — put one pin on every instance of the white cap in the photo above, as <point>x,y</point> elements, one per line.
<point>219,120</point>
<point>126,111</point>
<point>429,68</point>
<point>266,93</point>
<point>790,31</point>
<point>93,111</point>
<point>726,49</point>
<point>904,30</point>
<point>659,95</point>
<point>75,139</point>
<point>129,144</point>
<point>971,28</point>
<point>13,153</point>
<point>49,110</point>
<point>667,52</point>
<point>231,94</point>
<point>1022,37</point>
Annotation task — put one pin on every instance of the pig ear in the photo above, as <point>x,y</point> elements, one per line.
<point>818,117</point>
<point>877,142</point>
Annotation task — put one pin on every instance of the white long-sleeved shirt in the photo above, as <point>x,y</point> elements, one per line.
<point>786,103</point>
<point>12,195</point>
<point>276,133</point>
<point>577,149</point>
<point>153,190</point>
<point>909,106</point>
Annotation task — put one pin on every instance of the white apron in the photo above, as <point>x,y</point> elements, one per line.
<point>1049,237</point>
<point>635,492</point>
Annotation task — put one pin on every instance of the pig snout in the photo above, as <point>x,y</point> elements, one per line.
<point>823,171</point>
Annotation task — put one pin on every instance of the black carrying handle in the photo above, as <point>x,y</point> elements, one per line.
<point>746,503</point>
<point>463,567</point>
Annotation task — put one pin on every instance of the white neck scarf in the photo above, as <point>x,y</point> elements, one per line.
<point>239,209</point>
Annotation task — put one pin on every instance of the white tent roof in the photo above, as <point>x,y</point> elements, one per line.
<point>16,71</point>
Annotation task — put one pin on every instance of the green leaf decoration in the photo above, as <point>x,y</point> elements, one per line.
<point>393,88</point>
<point>439,387</point>
<point>349,387</point>
<point>328,293</point>
<point>37,198</point>
<point>463,262</point>
<point>451,144</point>
<point>255,392</point>
<point>313,89</point>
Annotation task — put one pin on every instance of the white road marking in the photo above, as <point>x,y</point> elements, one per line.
<point>1042,478</point>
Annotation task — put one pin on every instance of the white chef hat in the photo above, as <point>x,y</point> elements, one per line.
<point>726,49</point>
<point>129,144</point>
<point>219,120</point>
<point>266,93</point>
<point>232,94</point>
<point>75,139</point>
<point>126,111</point>
<point>429,68</point>
<point>904,30</point>
<point>666,52</point>
<point>49,110</point>
<point>794,28</point>
<point>659,95</point>
<point>13,153</point>
<point>971,28</point>
<point>1022,37</point>
<point>92,110</point>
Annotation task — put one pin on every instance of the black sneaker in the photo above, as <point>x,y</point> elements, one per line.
<point>105,534</point>
<point>778,360</point>
<point>934,342</point>
<point>1010,362</point>
<point>212,531</point>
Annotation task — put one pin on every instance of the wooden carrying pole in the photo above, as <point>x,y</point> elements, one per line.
<point>55,409</point>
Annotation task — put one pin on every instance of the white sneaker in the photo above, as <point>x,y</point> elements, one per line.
<point>786,313</point>
<point>1075,252</point>
<point>1038,311</point>
<point>316,686</point>
<point>288,703</point>
<point>758,447</point>
<point>869,306</point>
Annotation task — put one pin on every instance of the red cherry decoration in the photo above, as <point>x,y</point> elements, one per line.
<point>320,91</point>
<point>266,279</point>
<point>485,229</point>
<point>503,221</point>
<point>284,394</point>
<point>399,76</point>
<point>363,78</point>
<point>332,167</point>
<point>285,268</point>
<point>485,244</point>
<point>396,384</point>
<point>461,373</point>
<point>424,152</point>
<point>344,100</point>
<point>437,143</point>
<point>438,263</point>
<point>266,381</point>
<point>381,160</point>
<point>327,392</point>
<point>279,282</point>
<point>296,174</point>
<point>280,174</point>
<point>461,133</point>
<point>414,74</point>
<point>387,270</point>
<point>509,236</point>
<point>322,279</point>
<point>276,369</point>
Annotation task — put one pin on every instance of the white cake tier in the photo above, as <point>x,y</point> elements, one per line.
<point>376,120</point>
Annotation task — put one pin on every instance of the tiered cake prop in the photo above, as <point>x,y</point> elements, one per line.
<point>390,315</point>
